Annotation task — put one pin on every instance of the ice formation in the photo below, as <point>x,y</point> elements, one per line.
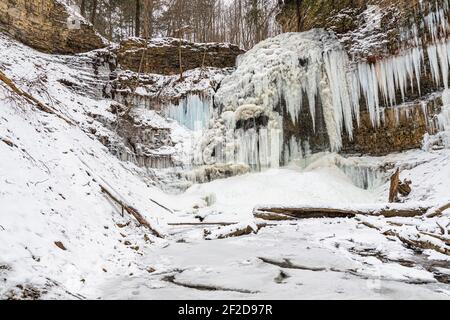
<point>193,112</point>
<point>282,75</point>
<point>293,75</point>
<point>280,72</point>
<point>443,122</point>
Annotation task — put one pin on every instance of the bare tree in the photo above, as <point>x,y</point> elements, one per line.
<point>137,21</point>
<point>83,8</point>
<point>94,11</point>
<point>299,16</point>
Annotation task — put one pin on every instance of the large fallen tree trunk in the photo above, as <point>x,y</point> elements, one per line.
<point>132,211</point>
<point>41,106</point>
<point>291,213</point>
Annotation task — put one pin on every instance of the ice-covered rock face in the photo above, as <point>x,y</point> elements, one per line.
<point>275,80</point>
<point>280,77</point>
<point>282,69</point>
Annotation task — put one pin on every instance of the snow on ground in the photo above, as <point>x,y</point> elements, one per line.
<point>60,236</point>
<point>237,196</point>
<point>233,269</point>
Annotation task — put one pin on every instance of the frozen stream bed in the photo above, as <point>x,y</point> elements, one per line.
<point>303,259</point>
<point>233,269</point>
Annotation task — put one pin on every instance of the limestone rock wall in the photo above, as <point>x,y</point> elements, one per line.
<point>162,55</point>
<point>369,28</point>
<point>402,128</point>
<point>47,25</point>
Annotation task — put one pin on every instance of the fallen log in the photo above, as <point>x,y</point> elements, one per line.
<point>41,106</point>
<point>201,223</point>
<point>439,211</point>
<point>224,224</point>
<point>287,213</point>
<point>368,224</point>
<point>287,264</point>
<point>423,244</point>
<point>132,211</point>
<point>271,216</point>
<point>446,240</point>
<point>231,231</point>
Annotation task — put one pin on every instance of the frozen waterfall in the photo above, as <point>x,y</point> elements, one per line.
<point>193,112</point>
<point>283,75</point>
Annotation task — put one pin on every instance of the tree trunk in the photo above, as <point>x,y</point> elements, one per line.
<point>299,16</point>
<point>83,8</point>
<point>94,12</point>
<point>137,29</point>
<point>393,190</point>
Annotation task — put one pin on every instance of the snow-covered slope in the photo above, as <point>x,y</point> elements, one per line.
<point>50,192</point>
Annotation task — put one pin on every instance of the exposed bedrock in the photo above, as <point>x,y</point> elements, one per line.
<point>369,29</point>
<point>162,56</point>
<point>144,142</point>
<point>48,25</point>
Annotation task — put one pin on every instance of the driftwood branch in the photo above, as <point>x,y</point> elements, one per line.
<point>132,211</point>
<point>41,106</point>
<point>8,142</point>
<point>287,264</point>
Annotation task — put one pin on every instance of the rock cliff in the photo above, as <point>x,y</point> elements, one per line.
<point>161,56</point>
<point>48,25</point>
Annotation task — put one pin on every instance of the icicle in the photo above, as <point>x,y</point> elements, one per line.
<point>336,63</point>
<point>443,118</point>
<point>444,55</point>
<point>264,149</point>
<point>194,112</point>
<point>276,76</point>
<point>434,65</point>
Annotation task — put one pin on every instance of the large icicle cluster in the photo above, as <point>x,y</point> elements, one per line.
<point>193,112</point>
<point>278,75</point>
<point>282,70</point>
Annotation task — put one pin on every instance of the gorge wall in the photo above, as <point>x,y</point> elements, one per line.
<point>48,25</point>
<point>368,79</point>
<point>364,77</point>
<point>161,56</point>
